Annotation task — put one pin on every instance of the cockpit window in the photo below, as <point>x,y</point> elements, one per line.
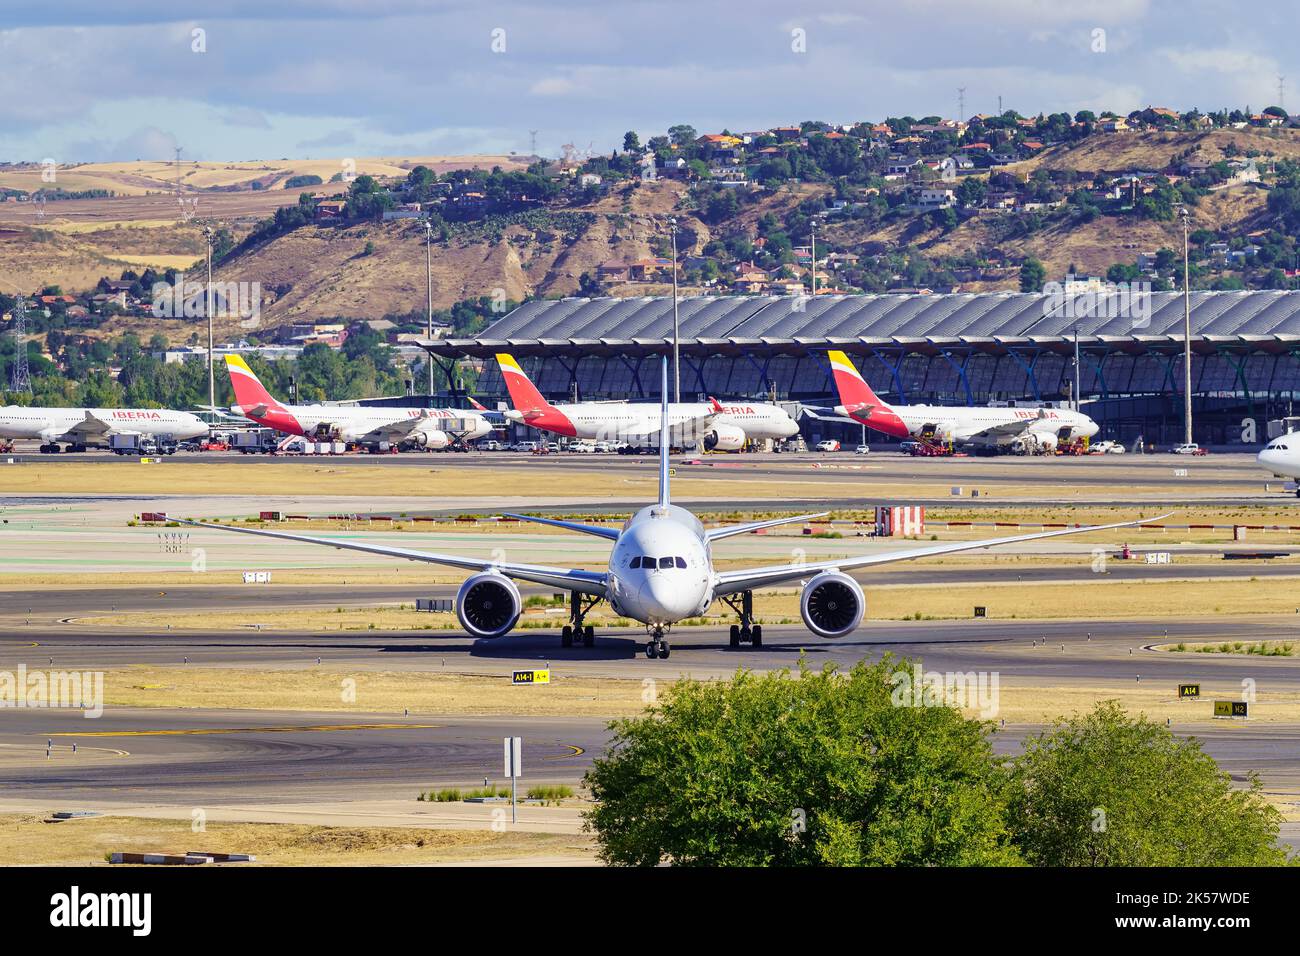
<point>665,563</point>
<point>681,562</point>
<point>635,562</point>
<point>647,562</point>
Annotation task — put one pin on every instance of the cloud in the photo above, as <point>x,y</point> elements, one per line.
<point>286,75</point>
<point>247,117</point>
<point>340,137</point>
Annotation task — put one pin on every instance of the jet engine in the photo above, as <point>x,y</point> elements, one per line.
<point>433,439</point>
<point>1047,441</point>
<point>724,438</point>
<point>488,605</point>
<point>832,604</point>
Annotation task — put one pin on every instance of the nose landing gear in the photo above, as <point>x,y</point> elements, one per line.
<point>657,646</point>
<point>746,632</point>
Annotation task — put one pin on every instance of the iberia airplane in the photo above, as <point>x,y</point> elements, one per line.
<point>961,425</point>
<point>375,427</point>
<point>660,571</point>
<point>714,425</point>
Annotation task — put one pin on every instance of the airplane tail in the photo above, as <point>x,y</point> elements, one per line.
<point>249,390</point>
<point>859,402</point>
<point>665,439</point>
<point>853,388</point>
<point>523,393</point>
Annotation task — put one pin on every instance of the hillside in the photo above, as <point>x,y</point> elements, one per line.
<point>541,233</point>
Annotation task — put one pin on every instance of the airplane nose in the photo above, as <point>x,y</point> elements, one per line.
<point>665,592</point>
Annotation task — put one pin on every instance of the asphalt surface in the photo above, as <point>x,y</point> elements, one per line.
<point>43,606</point>
<point>206,758</point>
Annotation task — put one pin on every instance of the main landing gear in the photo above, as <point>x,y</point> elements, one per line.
<point>657,646</point>
<point>576,630</point>
<point>746,632</point>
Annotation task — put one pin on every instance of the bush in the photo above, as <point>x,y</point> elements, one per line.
<point>773,770</point>
<point>1107,789</point>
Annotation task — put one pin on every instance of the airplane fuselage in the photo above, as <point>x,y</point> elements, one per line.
<point>661,567</point>
<point>348,423</point>
<point>620,421</point>
<point>58,424</point>
<point>963,424</point>
<point>1281,456</point>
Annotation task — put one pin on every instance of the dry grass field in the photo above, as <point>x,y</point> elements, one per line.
<point>25,840</point>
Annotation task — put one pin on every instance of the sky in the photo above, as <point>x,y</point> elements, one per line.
<point>88,80</point>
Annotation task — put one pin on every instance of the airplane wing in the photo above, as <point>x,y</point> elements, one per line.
<point>91,427</point>
<point>569,579</point>
<point>401,428</point>
<point>727,531</point>
<point>729,582</point>
<point>610,533</point>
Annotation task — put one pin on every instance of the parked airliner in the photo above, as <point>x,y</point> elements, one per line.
<point>712,424</point>
<point>1281,456</point>
<point>960,425</point>
<point>376,427</point>
<point>661,571</point>
<point>81,428</point>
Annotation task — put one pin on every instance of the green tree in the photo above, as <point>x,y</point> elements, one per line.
<point>820,769</point>
<point>1107,789</point>
<point>1032,274</point>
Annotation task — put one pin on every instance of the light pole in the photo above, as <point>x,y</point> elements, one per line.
<point>812,235</point>
<point>428,278</point>
<point>207,310</point>
<point>1187,335</point>
<point>1077,371</point>
<point>677,358</point>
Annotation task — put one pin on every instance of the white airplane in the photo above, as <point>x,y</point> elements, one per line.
<point>376,427</point>
<point>714,425</point>
<point>661,571</point>
<point>1281,456</point>
<point>988,427</point>
<point>80,428</point>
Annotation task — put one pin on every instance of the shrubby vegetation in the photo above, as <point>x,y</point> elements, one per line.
<point>821,768</point>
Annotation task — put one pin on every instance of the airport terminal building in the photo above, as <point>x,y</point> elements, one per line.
<point>965,349</point>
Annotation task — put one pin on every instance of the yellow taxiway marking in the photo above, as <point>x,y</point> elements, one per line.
<point>575,752</point>
<point>316,728</point>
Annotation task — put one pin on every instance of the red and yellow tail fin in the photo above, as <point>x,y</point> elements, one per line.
<point>523,393</point>
<point>249,391</point>
<point>853,388</point>
<point>859,402</point>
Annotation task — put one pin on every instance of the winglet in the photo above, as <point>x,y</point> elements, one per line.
<point>475,403</point>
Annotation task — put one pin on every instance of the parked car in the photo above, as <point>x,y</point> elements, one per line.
<point>829,444</point>
<point>528,446</point>
<point>1107,448</point>
<point>862,450</point>
<point>1189,449</point>
<point>491,445</point>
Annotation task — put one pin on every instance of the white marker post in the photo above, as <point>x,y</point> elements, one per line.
<point>514,753</point>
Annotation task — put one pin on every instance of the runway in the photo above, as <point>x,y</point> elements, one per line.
<point>246,759</point>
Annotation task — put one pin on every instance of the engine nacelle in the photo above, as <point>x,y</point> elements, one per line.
<point>488,605</point>
<point>1047,441</point>
<point>724,438</point>
<point>431,439</point>
<point>832,604</point>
